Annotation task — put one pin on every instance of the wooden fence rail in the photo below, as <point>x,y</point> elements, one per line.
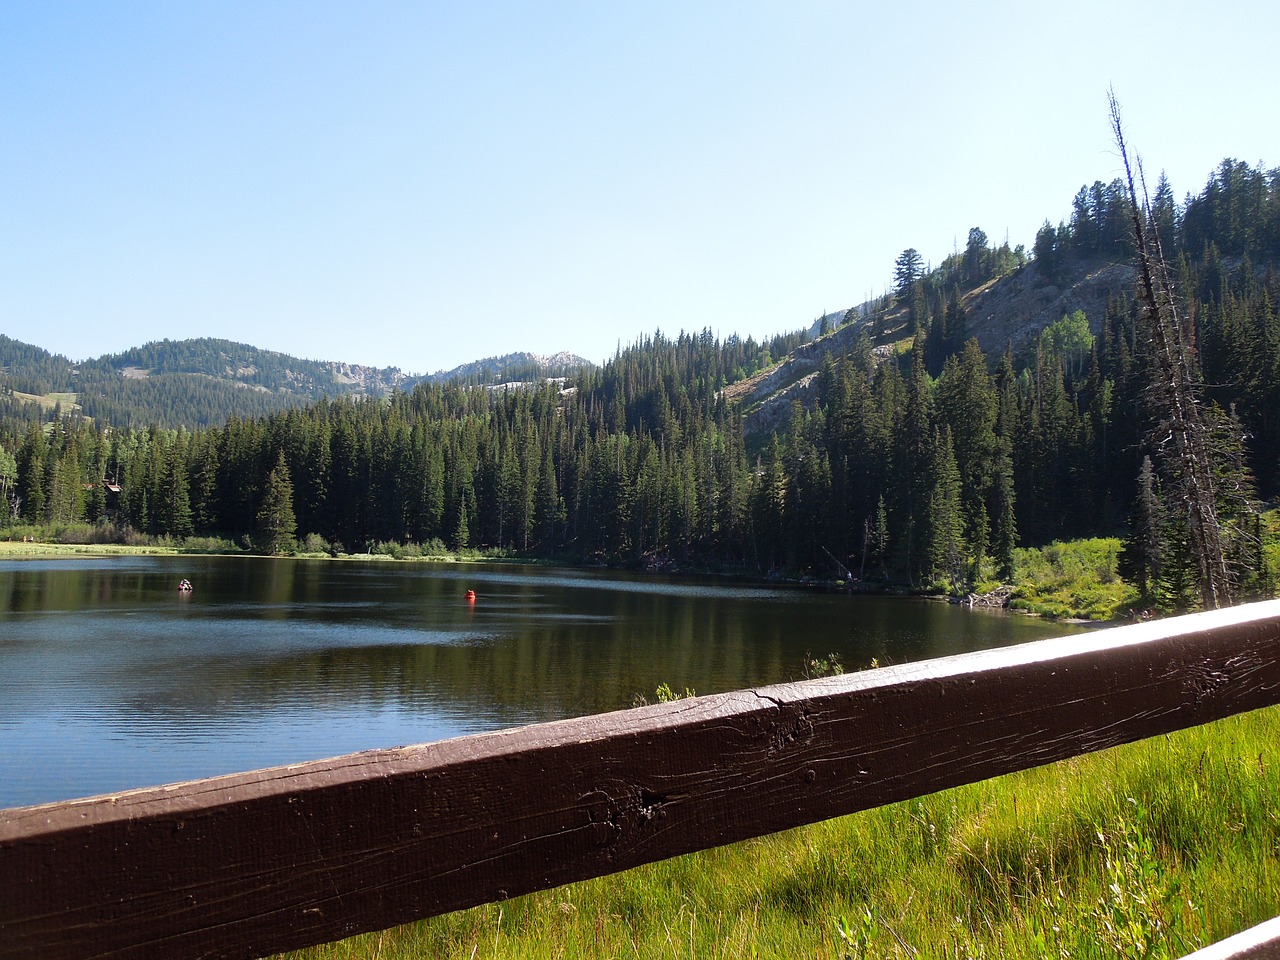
<point>255,863</point>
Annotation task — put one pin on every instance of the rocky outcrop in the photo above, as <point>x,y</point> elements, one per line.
<point>1014,309</point>
<point>1006,312</point>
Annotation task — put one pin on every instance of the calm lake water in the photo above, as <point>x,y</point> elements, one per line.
<point>112,679</point>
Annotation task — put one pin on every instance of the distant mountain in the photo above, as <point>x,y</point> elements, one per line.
<point>252,367</point>
<point>203,382</point>
<point>513,368</point>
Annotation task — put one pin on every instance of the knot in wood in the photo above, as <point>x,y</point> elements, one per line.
<point>620,809</point>
<point>789,730</point>
<point>1201,683</point>
<point>603,815</point>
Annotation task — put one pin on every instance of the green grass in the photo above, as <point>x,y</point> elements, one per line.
<point>1271,540</point>
<point>1079,580</point>
<point>16,549</point>
<point>49,400</point>
<point>88,539</point>
<point>1076,579</point>
<point>1149,849</point>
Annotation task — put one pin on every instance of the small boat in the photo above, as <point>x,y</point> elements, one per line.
<point>470,594</point>
<point>184,586</point>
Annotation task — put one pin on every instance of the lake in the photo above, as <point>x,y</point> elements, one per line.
<point>110,678</point>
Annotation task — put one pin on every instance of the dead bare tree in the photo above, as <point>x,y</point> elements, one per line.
<point>1183,432</point>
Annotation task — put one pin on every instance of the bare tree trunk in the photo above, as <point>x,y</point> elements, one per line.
<point>1185,446</point>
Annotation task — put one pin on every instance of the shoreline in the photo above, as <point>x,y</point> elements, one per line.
<point>45,550</point>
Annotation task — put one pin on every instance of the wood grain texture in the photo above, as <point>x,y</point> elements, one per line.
<point>256,863</point>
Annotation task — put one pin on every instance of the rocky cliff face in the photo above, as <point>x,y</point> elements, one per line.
<point>1014,309</point>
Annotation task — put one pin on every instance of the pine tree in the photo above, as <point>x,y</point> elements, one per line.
<point>31,457</point>
<point>967,403</point>
<point>1139,561</point>
<point>8,482</point>
<point>1006,528</point>
<point>276,524</point>
<point>880,539</point>
<point>96,502</point>
<point>548,508</point>
<point>911,479</point>
<point>203,491</point>
<point>173,507</point>
<point>462,532</point>
<point>1237,505</point>
<point>907,269</point>
<point>946,524</point>
<point>976,258</point>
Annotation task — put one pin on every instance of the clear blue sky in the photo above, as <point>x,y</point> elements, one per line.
<point>422,184</point>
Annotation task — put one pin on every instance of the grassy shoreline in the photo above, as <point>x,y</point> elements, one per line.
<point>1072,581</point>
<point>35,550</point>
<point>18,550</point>
<point>1076,581</point>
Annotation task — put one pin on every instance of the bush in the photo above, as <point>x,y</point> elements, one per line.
<point>208,545</point>
<point>435,548</point>
<point>134,538</point>
<point>314,543</point>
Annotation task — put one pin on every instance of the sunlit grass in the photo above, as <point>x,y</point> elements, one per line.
<point>1075,579</point>
<point>1271,542</point>
<point>1187,828</point>
<point>87,539</point>
<point>16,549</point>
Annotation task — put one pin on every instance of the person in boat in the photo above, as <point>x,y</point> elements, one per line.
<point>184,585</point>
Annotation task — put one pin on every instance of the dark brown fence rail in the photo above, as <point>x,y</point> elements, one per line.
<point>260,862</point>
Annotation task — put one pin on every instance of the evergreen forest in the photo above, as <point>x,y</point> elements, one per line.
<point>175,384</point>
<point>918,459</point>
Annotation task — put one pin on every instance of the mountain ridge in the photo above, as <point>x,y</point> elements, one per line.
<point>1004,312</point>
<point>200,382</point>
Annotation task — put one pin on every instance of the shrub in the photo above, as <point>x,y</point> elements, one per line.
<point>208,545</point>
<point>435,548</point>
<point>314,543</point>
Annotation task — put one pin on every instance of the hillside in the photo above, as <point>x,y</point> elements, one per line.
<point>203,382</point>
<point>1006,312</point>
<point>251,367</point>
<point>961,419</point>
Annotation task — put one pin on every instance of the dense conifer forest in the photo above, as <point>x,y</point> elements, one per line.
<point>920,460</point>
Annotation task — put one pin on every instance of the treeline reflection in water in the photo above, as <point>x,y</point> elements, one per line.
<point>111,679</point>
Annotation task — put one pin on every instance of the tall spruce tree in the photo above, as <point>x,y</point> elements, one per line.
<point>276,524</point>
<point>1139,559</point>
<point>907,269</point>
<point>173,503</point>
<point>32,453</point>
<point>947,546</point>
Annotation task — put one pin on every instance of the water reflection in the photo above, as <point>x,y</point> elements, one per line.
<point>110,678</point>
